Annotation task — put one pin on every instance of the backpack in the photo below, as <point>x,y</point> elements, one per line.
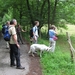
<point>3,29</point>
<point>31,32</point>
<point>5,32</point>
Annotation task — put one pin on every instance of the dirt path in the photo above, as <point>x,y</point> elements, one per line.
<point>5,68</point>
<point>31,64</point>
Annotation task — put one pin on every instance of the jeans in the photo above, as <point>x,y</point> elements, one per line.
<point>52,44</point>
<point>14,55</point>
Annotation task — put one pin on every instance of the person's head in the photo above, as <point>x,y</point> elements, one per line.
<point>36,23</point>
<point>18,25</point>
<point>8,23</point>
<point>53,27</point>
<point>13,22</point>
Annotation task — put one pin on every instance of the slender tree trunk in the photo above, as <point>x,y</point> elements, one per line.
<point>38,8</point>
<point>48,16</point>
<point>20,14</point>
<point>30,13</point>
<point>41,12</point>
<point>54,11</point>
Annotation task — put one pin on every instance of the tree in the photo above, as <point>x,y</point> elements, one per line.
<point>26,11</point>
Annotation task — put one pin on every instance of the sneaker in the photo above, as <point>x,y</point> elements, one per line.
<point>20,67</point>
<point>12,65</point>
<point>7,47</point>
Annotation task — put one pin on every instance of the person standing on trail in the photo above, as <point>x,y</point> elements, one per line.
<point>3,31</point>
<point>7,43</point>
<point>52,37</point>
<point>19,35</point>
<point>35,32</point>
<point>14,46</point>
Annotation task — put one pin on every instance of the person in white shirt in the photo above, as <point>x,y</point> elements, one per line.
<point>14,46</point>
<point>35,32</point>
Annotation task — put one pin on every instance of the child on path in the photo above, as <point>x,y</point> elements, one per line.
<point>52,37</point>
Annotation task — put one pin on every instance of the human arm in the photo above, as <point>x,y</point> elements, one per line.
<point>23,30</point>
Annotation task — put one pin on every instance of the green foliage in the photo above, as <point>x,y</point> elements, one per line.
<point>62,24</point>
<point>64,11</point>
<point>7,16</point>
<point>59,62</point>
<point>0,27</point>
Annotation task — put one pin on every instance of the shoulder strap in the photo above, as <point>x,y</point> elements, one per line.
<point>10,30</point>
<point>35,29</point>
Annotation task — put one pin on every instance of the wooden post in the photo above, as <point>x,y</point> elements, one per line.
<point>72,50</point>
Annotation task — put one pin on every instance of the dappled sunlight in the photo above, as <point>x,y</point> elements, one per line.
<point>70,30</point>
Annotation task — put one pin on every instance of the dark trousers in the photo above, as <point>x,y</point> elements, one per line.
<point>20,39</point>
<point>14,55</point>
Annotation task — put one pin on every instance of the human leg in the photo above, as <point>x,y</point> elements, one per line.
<point>18,39</point>
<point>35,40</point>
<point>12,56</point>
<point>52,45</point>
<point>7,45</point>
<point>17,56</point>
<point>21,39</point>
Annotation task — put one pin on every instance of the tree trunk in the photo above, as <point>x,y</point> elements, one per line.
<point>41,12</point>
<point>54,11</point>
<point>48,16</point>
<point>20,14</point>
<point>30,13</point>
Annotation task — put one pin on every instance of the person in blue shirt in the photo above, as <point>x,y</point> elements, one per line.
<point>52,37</point>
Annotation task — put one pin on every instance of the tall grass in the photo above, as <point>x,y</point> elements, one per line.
<point>59,62</point>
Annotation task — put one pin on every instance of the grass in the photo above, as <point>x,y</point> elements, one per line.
<point>59,62</point>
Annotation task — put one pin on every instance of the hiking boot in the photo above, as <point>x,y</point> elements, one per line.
<point>13,65</point>
<point>20,67</point>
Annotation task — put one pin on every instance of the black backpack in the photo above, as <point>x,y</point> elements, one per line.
<point>3,29</point>
<point>5,32</point>
<point>31,32</point>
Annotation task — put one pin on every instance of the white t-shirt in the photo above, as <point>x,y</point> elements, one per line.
<point>12,31</point>
<point>35,30</point>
